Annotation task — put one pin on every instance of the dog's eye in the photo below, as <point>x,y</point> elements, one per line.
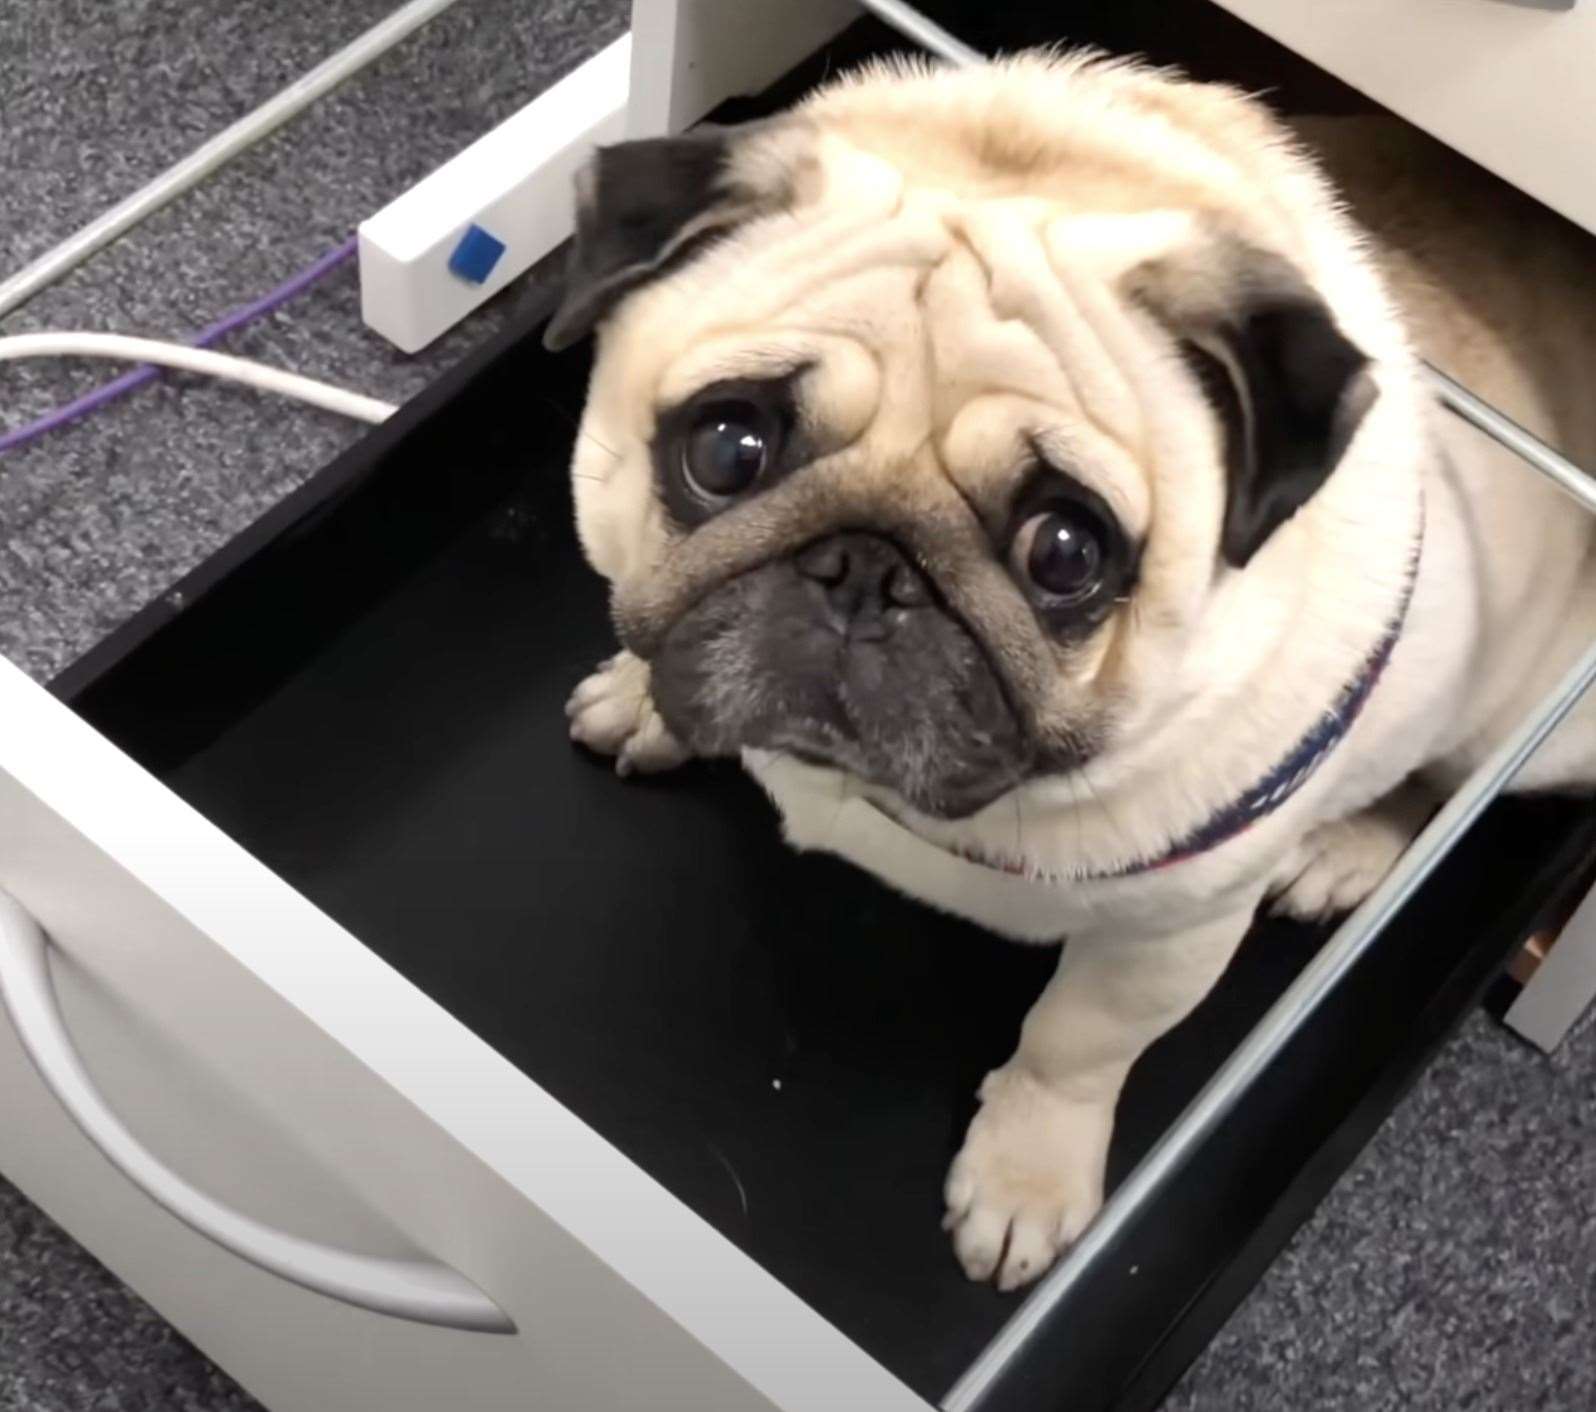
<point>1061,555</point>
<point>727,448</point>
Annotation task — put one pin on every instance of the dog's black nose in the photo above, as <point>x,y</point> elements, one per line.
<point>858,579</point>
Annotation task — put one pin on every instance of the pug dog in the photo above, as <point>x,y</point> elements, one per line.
<point>1028,471</point>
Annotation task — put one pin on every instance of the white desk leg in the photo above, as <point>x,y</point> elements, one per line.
<point>690,55</point>
<point>1564,984</point>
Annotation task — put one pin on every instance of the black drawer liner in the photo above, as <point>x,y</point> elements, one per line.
<point>366,690</point>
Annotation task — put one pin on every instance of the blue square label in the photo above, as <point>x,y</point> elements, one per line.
<point>476,254</point>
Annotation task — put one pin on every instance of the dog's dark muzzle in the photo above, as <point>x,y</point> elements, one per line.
<point>845,654</point>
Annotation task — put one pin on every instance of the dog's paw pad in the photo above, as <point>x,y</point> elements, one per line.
<point>611,712</point>
<point>1337,865</point>
<point>1028,1179</point>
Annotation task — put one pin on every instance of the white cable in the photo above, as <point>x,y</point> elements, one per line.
<point>195,360</point>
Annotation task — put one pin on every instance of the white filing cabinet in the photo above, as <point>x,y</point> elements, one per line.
<point>1510,83</point>
<point>269,1062</point>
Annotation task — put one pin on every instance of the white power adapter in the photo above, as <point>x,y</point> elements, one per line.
<point>460,235</point>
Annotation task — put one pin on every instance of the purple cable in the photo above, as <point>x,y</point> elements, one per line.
<point>147,372</point>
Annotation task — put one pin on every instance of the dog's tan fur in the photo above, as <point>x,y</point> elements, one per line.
<point>1501,295</point>
<point>965,260</point>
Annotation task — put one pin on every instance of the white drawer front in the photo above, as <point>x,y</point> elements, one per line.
<point>264,1055</point>
<point>1510,84</point>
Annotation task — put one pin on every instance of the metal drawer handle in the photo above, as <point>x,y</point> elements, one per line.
<point>422,1290</point>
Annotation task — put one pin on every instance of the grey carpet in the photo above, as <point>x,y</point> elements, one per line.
<point>1454,1267</point>
<point>101,517</point>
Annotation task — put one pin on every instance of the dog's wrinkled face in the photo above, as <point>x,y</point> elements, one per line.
<point>848,651</point>
<point>922,459</point>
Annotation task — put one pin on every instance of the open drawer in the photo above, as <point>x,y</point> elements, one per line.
<point>354,942</point>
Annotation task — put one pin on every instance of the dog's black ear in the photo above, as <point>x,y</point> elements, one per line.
<point>1289,388</point>
<point>640,206</point>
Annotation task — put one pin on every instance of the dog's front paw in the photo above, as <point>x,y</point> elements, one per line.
<point>612,712</point>
<point>1028,1179</point>
<point>1337,865</point>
